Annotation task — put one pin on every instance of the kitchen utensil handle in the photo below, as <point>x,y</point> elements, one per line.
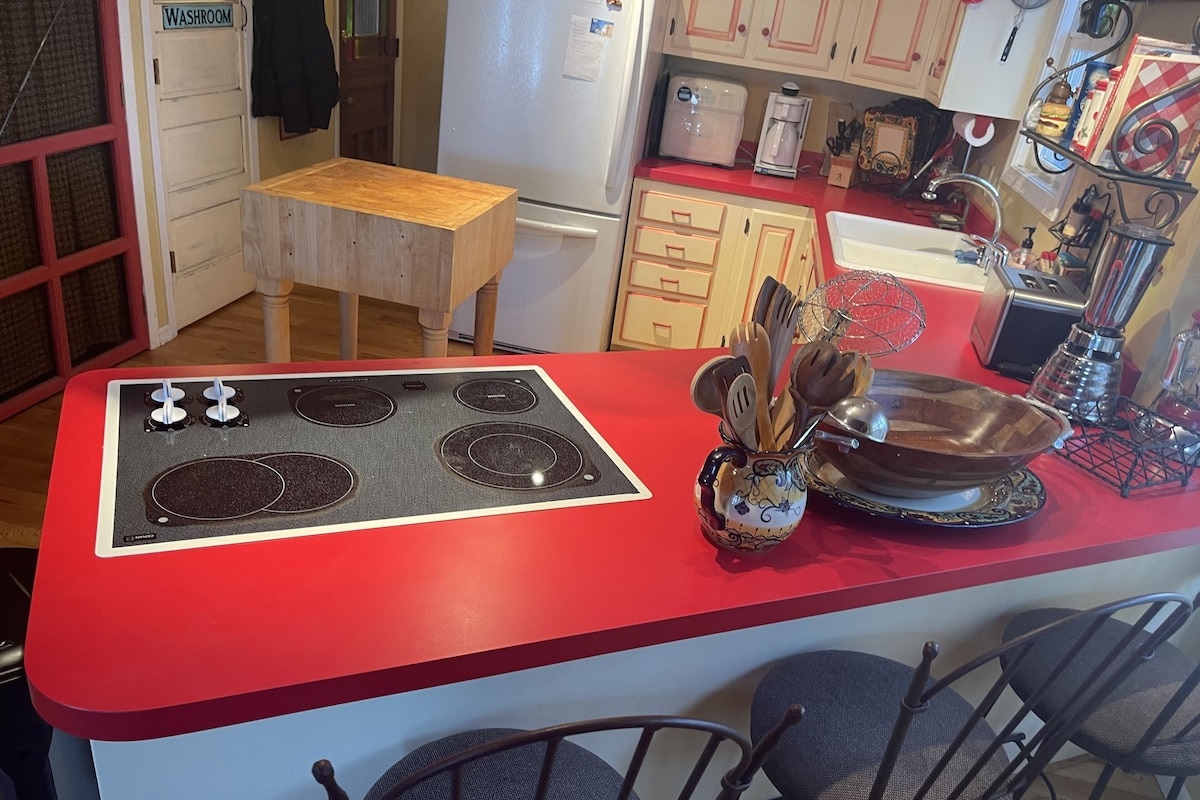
<point>627,96</point>
<point>708,476</point>
<point>569,231</point>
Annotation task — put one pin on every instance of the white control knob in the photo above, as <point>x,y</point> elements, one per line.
<point>218,391</point>
<point>223,413</point>
<point>169,415</point>
<point>166,392</point>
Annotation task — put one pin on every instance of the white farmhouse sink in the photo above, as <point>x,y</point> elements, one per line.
<point>907,251</point>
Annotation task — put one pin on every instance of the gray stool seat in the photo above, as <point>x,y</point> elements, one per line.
<point>1115,728</point>
<point>851,701</point>
<point>545,764</point>
<point>512,774</point>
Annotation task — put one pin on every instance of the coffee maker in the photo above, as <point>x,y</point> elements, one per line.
<point>782,132</point>
<point>1082,378</point>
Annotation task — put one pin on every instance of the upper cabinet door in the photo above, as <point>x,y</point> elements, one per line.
<point>892,42</point>
<point>709,27</point>
<point>810,35</point>
<point>944,41</point>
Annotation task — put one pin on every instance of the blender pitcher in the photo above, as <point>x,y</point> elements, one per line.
<point>1082,378</point>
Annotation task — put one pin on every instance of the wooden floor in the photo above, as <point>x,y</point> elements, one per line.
<point>233,335</point>
<point>1074,778</point>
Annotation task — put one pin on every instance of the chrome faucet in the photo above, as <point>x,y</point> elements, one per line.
<point>991,252</point>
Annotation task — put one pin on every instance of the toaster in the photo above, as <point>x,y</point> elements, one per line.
<point>1023,316</point>
<point>702,119</point>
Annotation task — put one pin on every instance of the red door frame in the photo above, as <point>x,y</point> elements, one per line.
<point>51,271</point>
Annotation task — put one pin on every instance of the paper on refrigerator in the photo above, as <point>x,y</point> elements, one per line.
<point>587,42</point>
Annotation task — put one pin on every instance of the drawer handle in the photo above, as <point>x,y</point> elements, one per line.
<point>663,325</point>
<point>665,281</point>
<point>677,247</point>
<point>681,214</point>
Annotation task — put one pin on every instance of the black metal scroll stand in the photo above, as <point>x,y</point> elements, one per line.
<point>1165,203</point>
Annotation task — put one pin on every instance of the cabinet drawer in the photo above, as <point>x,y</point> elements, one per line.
<point>664,277</point>
<point>685,211</point>
<point>678,246</point>
<point>659,322</point>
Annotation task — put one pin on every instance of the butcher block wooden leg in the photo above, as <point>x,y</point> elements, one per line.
<point>485,316</point>
<point>348,343</point>
<point>277,335</point>
<point>435,327</point>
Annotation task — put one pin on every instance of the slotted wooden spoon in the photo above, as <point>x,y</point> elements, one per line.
<point>750,339</point>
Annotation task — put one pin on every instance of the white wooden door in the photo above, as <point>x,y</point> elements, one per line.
<point>203,132</point>
<point>891,42</point>
<point>809,36</point>
<point>709,27</point>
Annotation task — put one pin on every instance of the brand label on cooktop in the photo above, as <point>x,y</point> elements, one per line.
<point>259,457</point>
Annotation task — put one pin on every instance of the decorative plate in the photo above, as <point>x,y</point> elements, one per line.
<point>1017,496</point>
<point>887,144</point>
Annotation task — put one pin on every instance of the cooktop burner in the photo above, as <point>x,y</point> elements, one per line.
<point>496,396</point>
<point>513,455</point>
<point>253,457</point>
<point>342,406</point>
<point>224,488</point>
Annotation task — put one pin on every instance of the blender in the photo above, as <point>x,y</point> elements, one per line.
<point>1082,378</point>
<point>782,132</point>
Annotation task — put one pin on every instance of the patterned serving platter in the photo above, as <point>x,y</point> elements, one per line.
<point>1012,498</point>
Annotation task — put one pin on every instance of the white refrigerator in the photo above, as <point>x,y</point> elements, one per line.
<point>551,97</point>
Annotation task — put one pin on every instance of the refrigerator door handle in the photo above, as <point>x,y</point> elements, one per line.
<point>620,134</point>
<point>568,231</point>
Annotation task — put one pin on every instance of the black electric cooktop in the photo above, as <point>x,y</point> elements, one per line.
<point>248,458</point>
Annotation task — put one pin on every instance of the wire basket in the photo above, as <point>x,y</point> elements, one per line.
<point>1135,449</point>
<point>873,312</point>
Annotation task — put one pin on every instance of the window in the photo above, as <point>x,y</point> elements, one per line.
<point>1045,190</point>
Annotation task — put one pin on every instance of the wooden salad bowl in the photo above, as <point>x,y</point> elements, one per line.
<point>944,435</point>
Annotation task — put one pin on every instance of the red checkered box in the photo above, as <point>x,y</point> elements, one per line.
<point>1153,75</point>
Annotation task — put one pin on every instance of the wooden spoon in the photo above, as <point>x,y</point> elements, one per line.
<point>741,410</point>
<point>750,339</point>
<point>707,393</point>
<point>821,375</point>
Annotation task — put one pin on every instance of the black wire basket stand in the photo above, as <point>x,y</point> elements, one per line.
<point>1134,449</point>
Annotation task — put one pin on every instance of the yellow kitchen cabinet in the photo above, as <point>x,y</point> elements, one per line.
<point>878,43</point>
<point>794,36</point>
<point>694,260</point>
<point>892,43</point>
<point>946,51</point>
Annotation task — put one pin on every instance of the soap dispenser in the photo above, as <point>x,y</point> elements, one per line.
<point>1025,258</point>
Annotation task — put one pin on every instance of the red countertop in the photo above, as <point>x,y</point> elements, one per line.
<point>158,644</point>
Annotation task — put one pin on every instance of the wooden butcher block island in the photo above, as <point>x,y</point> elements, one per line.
<point>395,234</point>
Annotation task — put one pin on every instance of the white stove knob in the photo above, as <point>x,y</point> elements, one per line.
<point>165,392</point>
<point>218,391</point>
<point>169,415</point>
<point>222,413</point>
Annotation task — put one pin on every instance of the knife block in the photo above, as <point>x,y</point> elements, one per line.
<point>843,170</point>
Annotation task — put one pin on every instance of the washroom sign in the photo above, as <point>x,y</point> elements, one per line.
<point>218,15</point>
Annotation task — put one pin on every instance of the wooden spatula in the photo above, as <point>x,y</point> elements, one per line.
<point>750,339</point>
<point>741,410</point>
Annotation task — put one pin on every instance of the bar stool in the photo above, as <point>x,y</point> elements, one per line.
<point>24,736</point>
<point>508,764</point>
<point>939,746</point>
<point>1148,723</point>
